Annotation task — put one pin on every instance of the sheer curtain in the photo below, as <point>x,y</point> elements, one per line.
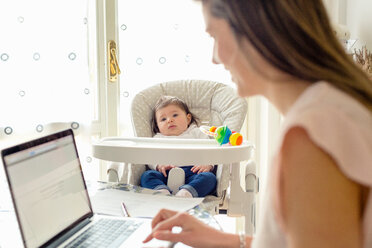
<point>44,78</point>
<point>160,41</point>
<point>44,69</point>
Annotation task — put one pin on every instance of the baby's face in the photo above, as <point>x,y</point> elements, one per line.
<point>172,120</point>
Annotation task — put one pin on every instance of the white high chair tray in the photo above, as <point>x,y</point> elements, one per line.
<point>185,151</point>
<point>139,150</point>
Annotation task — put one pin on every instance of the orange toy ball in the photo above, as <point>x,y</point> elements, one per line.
<point>212,129</point>
<point>236,139</point>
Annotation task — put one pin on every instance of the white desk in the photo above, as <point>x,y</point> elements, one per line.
<point>180,152</point>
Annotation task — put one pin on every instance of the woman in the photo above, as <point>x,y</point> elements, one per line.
<point>320,179</point>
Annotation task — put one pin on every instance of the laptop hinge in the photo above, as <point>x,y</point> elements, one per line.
<point>68,234</point>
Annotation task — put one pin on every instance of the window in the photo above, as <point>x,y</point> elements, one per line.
<point>161,41</point>
<point>44,77</point>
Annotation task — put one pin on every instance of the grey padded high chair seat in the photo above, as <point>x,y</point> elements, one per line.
<point>212,102</point>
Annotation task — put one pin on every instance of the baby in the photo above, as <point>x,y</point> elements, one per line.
<point>172,118</point>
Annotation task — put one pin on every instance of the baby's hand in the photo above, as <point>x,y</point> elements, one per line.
<point>201,168</point>
<point>163,168</point>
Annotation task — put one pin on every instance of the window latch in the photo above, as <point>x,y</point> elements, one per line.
<point>114,69</point>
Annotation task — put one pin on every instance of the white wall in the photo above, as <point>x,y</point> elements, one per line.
<point>358,18</point>
<point>356,15</point>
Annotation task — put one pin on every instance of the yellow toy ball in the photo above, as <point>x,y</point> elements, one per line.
<point>236,139</point>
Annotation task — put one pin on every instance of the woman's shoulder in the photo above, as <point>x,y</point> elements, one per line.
<point>325,107</point>
<point>339,125</point>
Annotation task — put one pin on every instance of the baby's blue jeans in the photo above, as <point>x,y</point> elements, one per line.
<point>199,185</point>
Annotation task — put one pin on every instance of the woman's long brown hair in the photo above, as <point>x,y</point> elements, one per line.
<point>296,37</point>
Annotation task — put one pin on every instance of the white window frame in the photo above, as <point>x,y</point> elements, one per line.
<point>103,28</point>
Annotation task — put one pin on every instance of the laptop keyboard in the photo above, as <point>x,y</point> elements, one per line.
<point>105,233</point>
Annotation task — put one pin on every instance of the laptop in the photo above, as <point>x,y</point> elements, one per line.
<point>51,200</point>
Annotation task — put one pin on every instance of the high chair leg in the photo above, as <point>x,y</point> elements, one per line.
<point>176,178</point>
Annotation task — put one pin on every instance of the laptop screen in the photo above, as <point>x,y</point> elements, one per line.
<point>47,186</point>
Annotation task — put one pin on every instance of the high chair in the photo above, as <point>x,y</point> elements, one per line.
<point>213,103</point>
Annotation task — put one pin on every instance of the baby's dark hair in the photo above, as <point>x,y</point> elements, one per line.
<point>165,101</point>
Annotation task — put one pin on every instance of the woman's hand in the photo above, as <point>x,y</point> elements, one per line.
<point>163,168</point>
<point>194,233</point>
<point>201,168</point>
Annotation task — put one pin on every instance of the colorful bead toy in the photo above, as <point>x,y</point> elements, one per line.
<point>223,135</point>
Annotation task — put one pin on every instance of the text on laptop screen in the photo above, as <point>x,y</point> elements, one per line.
<point>48,188</point>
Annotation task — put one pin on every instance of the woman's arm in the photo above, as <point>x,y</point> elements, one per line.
<point>319,205</point>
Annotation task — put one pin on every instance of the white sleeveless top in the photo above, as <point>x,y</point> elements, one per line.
<point>342,127</point>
